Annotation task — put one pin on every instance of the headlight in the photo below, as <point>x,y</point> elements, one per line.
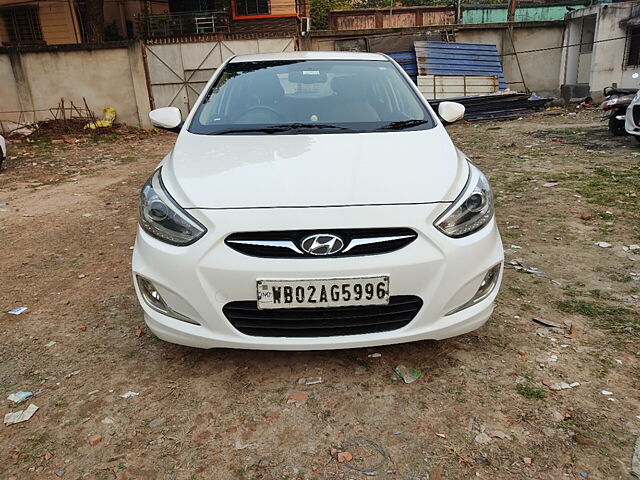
<point>163,218</point>
<point>471,210</point>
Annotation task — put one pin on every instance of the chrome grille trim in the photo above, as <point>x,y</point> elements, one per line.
<point>288,243</point>
<point>356,242</point>
<point>269,243</point>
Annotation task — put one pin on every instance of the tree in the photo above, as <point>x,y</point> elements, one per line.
<point>94,28</point>
<point>320,11</point>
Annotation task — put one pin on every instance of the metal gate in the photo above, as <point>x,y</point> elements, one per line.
<point>177,72</point>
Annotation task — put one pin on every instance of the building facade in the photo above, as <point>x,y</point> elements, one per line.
<point>602,48</point>
<point>52,22</point>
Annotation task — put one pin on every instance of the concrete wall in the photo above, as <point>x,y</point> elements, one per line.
<point>541,70</point>
<point>542,81</point>
<point>37,78</point>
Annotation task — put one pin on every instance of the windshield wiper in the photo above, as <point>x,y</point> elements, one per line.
<point>311,126</point>
<point>285,127</point>
<point>402,124</point>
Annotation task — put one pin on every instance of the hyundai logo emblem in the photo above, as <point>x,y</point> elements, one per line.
<point>322,244</point>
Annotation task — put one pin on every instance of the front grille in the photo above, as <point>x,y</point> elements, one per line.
<point>636,115</point>
<point>288,244</point>
<point>322,322</point>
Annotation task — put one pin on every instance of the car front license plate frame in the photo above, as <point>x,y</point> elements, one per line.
<point>322,292</point>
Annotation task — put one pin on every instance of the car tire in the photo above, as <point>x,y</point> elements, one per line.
<point>616,126</point>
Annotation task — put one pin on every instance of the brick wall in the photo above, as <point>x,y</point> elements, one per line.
<point>283,26</point>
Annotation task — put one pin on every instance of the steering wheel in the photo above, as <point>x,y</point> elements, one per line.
<point>264,108</point>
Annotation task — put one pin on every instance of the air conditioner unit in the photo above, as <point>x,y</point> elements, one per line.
<point>305,25</point>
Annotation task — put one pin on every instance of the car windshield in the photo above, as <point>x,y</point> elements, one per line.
<point>310,96</point>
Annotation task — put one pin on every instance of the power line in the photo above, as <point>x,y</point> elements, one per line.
<point>563,46</point>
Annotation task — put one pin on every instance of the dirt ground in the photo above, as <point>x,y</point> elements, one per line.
<point>484,407</point>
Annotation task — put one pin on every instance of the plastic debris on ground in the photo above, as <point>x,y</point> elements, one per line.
<point>563,386</point>
<point>50,344</point>
<point>408,375</point>
<point>310,381</point>
<point>240,446</point>
<point>19,397</point>
<point>21,415</point>
<point>548,323</point>
<point>17,311</point>
<point>521,267</point>
<point>129,394</point>
<point>107,121</point>
<point>603,244</point>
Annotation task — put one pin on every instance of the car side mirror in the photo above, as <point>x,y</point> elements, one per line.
<point>450,111</point>
<point>168,118</point>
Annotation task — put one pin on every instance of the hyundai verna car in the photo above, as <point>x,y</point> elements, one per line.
<point>3,150</point>
<point>314,201</point>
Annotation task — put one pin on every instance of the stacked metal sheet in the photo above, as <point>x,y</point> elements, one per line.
<point>407,60</point>
<point>468,73</point>
<point>459,59</point>
<point>499,106</point>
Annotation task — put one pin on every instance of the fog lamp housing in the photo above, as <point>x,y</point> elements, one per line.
<point>152,297</point>
<point>489,282</point>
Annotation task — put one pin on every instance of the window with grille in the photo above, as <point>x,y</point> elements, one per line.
<point>81,15</point>
<point>633,47</point>
<point>252,7</point>
<point>23,25</point>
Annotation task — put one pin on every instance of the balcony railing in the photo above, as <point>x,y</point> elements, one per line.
<point>185,24</point>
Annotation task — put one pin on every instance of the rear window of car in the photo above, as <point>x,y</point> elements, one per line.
<point>330,96</point>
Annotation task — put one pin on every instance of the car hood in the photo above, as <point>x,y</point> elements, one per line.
<point>258,171</point>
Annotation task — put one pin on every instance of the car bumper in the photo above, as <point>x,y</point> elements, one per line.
<point>630,124</point>
<point>199,280</point>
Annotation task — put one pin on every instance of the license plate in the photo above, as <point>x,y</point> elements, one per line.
<point>329,292</point>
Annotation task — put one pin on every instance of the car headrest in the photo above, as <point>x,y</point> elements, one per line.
<point>350,86</point>
<point>268,87</point>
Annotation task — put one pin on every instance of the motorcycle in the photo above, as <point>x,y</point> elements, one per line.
<point>615,106</point>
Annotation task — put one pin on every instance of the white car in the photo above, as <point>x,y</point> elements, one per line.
<point>3,150</point>
<point>314,201</point>
<point>632,117</point>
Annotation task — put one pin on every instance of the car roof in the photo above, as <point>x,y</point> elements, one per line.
<point>265,57</point>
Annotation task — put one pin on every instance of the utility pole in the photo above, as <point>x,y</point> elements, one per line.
<point>512,11</point>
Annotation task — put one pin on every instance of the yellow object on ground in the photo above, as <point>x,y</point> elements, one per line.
<point>107,121</point>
